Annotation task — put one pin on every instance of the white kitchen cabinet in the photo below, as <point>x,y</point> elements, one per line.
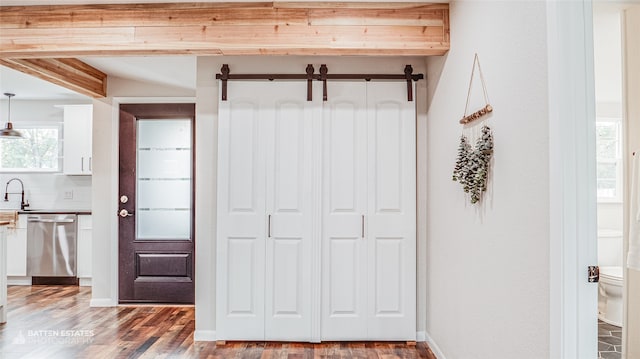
<point>316,213</point>
<point>265,212</point>
<point>17,248</point>
<point>85,250</point>
<point>78,123</point>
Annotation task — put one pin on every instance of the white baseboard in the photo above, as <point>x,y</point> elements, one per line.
<point>85,282</point>
<point>433,346</point>
<point>18,280</point>
<point>421,336</point>
<point>204,336</point>
<point>102,302</point>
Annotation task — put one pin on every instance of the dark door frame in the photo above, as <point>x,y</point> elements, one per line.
<point>145,292</point>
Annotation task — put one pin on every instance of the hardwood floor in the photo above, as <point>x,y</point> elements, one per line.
<point>56,322</point>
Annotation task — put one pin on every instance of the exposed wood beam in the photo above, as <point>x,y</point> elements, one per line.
<point>72,74</point>
<point>282,28</point>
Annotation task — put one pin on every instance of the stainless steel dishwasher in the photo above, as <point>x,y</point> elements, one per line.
<point>51,245</point>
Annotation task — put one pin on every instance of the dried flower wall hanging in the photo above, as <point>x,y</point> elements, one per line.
<point>472,164</point>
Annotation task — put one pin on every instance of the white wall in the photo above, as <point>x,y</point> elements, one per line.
<point>608,49</point>
<point>488,265</point>
<point>43,190</point>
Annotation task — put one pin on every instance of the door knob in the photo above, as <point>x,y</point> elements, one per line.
<point>124,213</point>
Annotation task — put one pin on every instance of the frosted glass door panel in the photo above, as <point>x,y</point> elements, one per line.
<point>179,195</point>
<point>164,168</point>
<point>164,133</point>
<point>165,163</point>
<point>164,224</point>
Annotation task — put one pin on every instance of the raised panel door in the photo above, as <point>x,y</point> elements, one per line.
<point>241,218</point>
<point>368,249</point>
<point>344,205</point>
<point>289,207</point>
<point>155,226</point>
<point>391,233</point>
<point>265,212</point>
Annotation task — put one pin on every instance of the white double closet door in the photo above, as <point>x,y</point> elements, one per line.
<point>368,213</point>
<point>316,213</point>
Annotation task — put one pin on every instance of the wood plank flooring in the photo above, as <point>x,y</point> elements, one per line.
<point>56,322</point>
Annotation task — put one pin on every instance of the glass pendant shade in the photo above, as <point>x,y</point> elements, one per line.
<point>8,131</point>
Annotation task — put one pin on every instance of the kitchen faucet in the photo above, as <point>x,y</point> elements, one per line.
<point>23,204</point>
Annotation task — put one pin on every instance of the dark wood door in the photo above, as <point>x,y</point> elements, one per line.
<point>156,203</point>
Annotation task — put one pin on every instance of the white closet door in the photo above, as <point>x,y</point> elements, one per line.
<point>264,212</point>
<point>391,220</point>
<point>344,203</point>
<point>241,231</point>
<point>289,207</point>
<point>368,268</point>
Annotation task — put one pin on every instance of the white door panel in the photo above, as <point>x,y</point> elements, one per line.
<point>288,181</point>
<point>241,219</point>
<point>344,204</point>
<point>264,212</point>
<point>391,234</point>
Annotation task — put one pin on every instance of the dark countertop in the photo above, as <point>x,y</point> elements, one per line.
<point>55,211</point>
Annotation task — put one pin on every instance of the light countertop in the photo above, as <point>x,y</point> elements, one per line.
<point>55,211</point>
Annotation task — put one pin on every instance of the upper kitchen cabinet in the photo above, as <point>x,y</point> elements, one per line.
<point>77,139</point>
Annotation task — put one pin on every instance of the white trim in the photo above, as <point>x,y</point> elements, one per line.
<point>18,280</point>
<point>421,336</point>
<point>572,190</point>
<point>432,344</point>
<point>204,336</point>
<point>102,302</point>
<point>114,170</point>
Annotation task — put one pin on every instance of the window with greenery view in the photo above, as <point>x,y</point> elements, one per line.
<point>609,159</point>
<point>38,151</point>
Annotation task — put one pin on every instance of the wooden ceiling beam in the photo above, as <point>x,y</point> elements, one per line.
<point>283,28</point>
<point>70,73</point>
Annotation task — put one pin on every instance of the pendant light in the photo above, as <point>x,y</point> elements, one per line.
<point>8,131</point>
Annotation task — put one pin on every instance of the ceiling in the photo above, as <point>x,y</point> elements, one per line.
<point>175,71</point>
<point>27,87</point>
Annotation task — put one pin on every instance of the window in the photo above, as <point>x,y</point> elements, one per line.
<point>38,151</point>
<point>609,159</point>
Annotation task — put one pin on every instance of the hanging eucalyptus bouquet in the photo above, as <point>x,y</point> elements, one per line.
<point>472,165</point>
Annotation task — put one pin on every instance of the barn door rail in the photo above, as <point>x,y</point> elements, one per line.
<point>323,76</point>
